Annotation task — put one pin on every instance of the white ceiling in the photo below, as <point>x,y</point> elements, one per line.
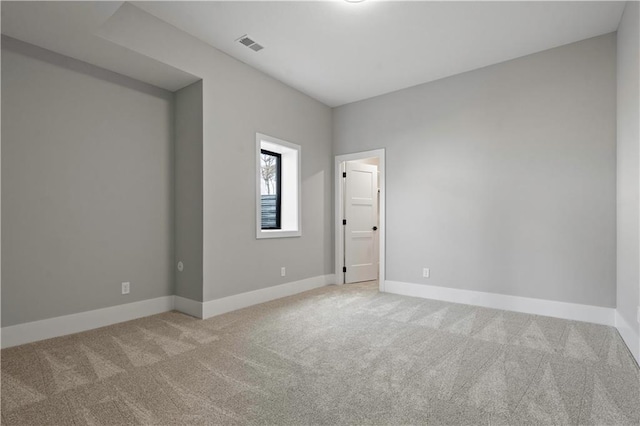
<point>334,51</point>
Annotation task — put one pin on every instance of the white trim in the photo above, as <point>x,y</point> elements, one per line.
<point>551,308</point>
<point>629,336</point>
<point>243,300</point>
<point>291,158</point>
<point>187,306</point>
<point>339,201</point>
<point>329,279</point>
<point>19,334</point>
<point>339,168</point>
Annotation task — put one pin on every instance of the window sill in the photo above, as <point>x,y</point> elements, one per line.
<point>278,233</point>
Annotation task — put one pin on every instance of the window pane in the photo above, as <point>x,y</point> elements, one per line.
<point>277,188</point>
<point>270,189</point>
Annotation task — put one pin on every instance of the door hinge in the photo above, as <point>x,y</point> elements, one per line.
<point>344,174</point>
<point>344,221</point>
<point>344,269</point>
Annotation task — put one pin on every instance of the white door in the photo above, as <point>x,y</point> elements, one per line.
<point>361,215</point>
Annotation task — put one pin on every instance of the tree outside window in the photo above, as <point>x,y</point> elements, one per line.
<point>270,172</point>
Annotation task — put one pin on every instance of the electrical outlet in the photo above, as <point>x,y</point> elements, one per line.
<point>180,266</point>
<point>283,271</point>
<point>638,314</point>
<point>425,272</point>
<point>125,288</point>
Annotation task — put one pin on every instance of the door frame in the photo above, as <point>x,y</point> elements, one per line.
<point>339,206</point>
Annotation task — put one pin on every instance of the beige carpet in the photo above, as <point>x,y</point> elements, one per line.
<point>336,355</point>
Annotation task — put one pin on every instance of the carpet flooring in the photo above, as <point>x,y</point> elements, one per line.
<point>335,355</point>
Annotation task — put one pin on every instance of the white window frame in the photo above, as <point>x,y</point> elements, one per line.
<point>290,211</point>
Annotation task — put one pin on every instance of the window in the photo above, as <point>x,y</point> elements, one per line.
<point>277,188</point>
<point>270,189</point>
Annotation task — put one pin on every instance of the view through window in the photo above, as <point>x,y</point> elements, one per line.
<point>270,189</point>
<point>278,211</point>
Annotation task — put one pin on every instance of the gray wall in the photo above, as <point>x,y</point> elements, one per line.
<point>249,102</point>
<point>628,111</point>
<point>239,101</point>
<point>87,186</point>
<point>188,190</point>
<point>501,179</point>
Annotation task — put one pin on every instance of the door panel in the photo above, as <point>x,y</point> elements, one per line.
<point>361,194</point>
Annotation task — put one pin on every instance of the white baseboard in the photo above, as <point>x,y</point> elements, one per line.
<point>187,306</point>
<point>629,336</point>
<point>215,307</point>
<point>19,334</point>
<point>54,327</point>
<point>59,326</point>
<point>329,279</point>
<point>551,308</point>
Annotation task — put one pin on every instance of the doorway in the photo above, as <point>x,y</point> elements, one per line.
<point>360,217</point>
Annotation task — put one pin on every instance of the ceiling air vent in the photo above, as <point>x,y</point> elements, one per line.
<point>251,44</point>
